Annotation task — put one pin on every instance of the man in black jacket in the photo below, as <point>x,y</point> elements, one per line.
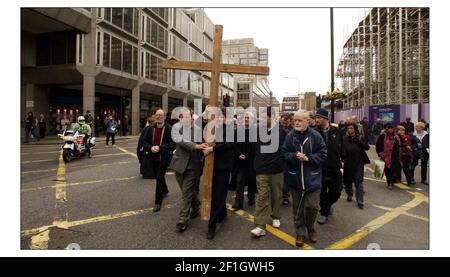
<point>269,166</point>
<point>331,170</point>
<point>244,157</point>
<point>158,148</point>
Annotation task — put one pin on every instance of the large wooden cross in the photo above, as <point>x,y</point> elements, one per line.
<point>215,68</point>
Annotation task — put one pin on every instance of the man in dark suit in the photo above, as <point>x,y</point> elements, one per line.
<point>158,148</point>
<point>187,164</point>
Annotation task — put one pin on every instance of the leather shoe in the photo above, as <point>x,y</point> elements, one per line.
<point>300,241</point>
<point>181,227</point>
<point>156,208</point>
<point>312,236</point>
<point>211,234</point>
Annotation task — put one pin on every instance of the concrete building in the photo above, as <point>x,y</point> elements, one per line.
<point>307,101</point>
<point>290,104</point>
<point>108,61</point>
<point>251,90</point>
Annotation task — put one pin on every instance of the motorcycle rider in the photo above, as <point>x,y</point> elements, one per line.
<point>85,129</point>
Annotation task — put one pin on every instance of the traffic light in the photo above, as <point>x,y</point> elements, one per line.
<point>226,100</point>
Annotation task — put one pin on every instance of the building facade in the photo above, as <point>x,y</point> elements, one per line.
<point>251,90</point>
<point>308,101</point>
<point>108,61</point>
<point>290,104</point>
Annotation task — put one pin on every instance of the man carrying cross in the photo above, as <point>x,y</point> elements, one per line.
<point>215,68</point>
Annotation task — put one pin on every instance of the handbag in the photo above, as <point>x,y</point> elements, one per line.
<point>365,157</point>
<point>379,169</point>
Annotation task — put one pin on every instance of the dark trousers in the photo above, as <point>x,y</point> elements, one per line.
<point>245,177</point>
<point>285,187</point>
<point>390,176</point>
<point>305,208</point>
<point>42,132</point>
<point>423,168</point>
<point>161,186</point>
<point>86,144</point>
<point>112,136</point>
<point>359,191</point>
<point>407,170</point>
<point>331,190</point>
<point>221,179</point>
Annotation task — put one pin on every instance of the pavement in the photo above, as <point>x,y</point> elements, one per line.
<point>103,203</point>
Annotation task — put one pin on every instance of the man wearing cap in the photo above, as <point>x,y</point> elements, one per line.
<point>331,169</point>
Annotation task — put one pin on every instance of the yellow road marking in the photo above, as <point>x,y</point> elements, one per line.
<point>274,231</point>
<point>405,213</point>
<point>378,222</point>
<point>81,183</point>
<point>40,241</point>
<point>69,224</point>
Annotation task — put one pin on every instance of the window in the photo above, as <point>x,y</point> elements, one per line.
<point>127,57</point>
<point>117,14</point>
<point>162,76</point>
<point>71,47</point>
<point>243,96</point>
<point>136,22</point>
<point>147,65</point>
<point>243,87</point>
<point>154,68</point>
<point>43,49</point>
<point>128,20</point>
<point>59,45</point>
<point>135,61</point>
<point>108,14</point>
<point>116,53</point>
<point>147,36</point>
<point>98,47</point>
<point>106,53</point>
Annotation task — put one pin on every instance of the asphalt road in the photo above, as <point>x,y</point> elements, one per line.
<point>103,203</point>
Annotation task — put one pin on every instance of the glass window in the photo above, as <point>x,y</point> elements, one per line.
<point>117,14</point>
<point>106,53</point>
<point>147,36</point>
<point>116,53</point>
<point>71,46</point>
<point>154,34</point>
<point>154,68</point>
<point>59,48</point>
<point>127,57</point>
<point>136,22</point>
<point>43,49</point>
<point>243,87</point>
<point>135,61</point>
<point>162,75</point>
<point>128,20</point>
<point>147,65</point>
<point>98,47</point>
<point>108,14</point>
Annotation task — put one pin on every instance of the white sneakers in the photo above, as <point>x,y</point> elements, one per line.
<point>257,232</point>
<point>276,223</point>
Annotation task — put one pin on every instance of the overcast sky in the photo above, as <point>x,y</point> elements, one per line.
<point>298,40</point>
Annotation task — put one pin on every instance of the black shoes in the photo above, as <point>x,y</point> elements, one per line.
<point>211,234</point>
<point>349,198</point>
<point>156,208</point>
<point>361,206</point>
<point>300,241</point>
<point>181,227</point>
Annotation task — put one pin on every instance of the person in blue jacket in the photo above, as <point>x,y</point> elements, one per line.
<point>304,151</point>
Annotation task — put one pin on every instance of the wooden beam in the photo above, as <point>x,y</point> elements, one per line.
<point>245,69</point>
<point>182,65</point>
<point>208,168</point>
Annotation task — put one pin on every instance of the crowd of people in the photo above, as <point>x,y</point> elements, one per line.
<point>312,162</point>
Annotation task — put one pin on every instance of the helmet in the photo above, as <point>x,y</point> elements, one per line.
<point>91,141</point>
<point>80,119</point>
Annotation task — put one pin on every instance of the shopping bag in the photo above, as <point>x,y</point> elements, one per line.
<point>379,169</point>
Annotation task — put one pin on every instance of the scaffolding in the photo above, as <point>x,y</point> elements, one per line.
<point>386,59</point>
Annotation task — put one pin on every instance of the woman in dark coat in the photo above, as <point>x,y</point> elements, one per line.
<point>354,159</point>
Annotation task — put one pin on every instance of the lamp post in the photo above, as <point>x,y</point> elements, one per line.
<point>332,61</point>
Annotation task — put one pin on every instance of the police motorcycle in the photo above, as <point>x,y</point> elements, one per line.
<point>74,146</point>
